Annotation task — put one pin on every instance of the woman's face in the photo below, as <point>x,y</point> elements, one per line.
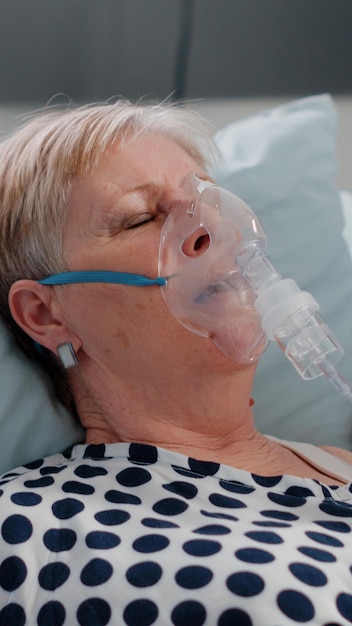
<point>114,221</point>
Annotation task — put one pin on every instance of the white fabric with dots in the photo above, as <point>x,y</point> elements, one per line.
<point>131,534</point>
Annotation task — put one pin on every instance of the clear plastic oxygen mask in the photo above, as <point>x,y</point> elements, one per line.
<point>221,284</point>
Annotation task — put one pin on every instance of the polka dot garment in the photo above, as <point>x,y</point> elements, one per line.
<point>133,535</point>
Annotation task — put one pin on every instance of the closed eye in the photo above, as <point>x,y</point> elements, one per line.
<point>139,220</point>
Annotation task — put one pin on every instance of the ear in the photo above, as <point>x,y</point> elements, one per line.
<point>36,310</point>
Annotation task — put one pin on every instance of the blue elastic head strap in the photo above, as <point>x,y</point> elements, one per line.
<point>102,276</point>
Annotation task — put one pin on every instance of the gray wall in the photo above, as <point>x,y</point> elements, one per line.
<point>94,49</point>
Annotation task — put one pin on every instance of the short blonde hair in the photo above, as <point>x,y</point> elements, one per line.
<point>39,163</point>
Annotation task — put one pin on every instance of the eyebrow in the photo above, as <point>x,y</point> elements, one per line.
<point>146,188</point>
<point>155,189</point>
<point>159,188</point>
<point>115,214</point>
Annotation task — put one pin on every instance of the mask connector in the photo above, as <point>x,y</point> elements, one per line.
<point>291,318</point>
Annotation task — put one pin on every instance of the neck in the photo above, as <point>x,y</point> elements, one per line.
<point>200,417</point>
<point>209,422</point>
<point>208,418</point>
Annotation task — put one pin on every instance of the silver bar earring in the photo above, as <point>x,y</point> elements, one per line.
<point>67,355</point>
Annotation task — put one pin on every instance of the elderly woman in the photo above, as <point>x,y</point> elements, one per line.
<point>175,510</point>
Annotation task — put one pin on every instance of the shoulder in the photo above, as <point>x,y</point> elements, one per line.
<point>38,471</point>
<point>341,453</point>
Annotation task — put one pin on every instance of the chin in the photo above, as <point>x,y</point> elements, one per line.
<point>242,342</point>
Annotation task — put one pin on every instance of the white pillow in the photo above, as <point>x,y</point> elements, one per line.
<point>282,162</point>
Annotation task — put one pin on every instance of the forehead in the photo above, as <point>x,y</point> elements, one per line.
<point>144,159</point>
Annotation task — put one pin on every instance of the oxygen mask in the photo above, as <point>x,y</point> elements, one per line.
<point>221,284</point>
<point>205,290</point>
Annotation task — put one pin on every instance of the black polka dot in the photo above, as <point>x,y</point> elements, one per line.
<point>95,451</point>
<point>181,488</point>
<point>212,529</point>
<point>295,605</point>
<point>141,612</point>
<point>308,574</point>
<point>120,497</point>
<point>26,498</point>
<point>74,486</point>
<point>219,515</point>
<point>34,464</point>
<point>45,481</point>
<point>94,612</point>
<point>67,508</point>
<point>193,577</point>
<point>226,502</point>
<point>233,617</point>
<point>59,539</point>
<point>189,613</point>
<point>282,515</point>
<point>53,575</point>
<point>317,554</point>
<point>13,573</point>
<point>327,540</point>
<point>344,605</point>
<point>16,529</point>
<point>254,555</point>
<point>101,540</point>
<point>151,522</point>
<point>267,481</point>
<point>170,506</point>
<point>235,487</point>
<point>339,509</point>
<point>245,584</point>
<point>51,469</point>
<point>133,477</point>
<point>143,454</point>
<point>113,517</point>
<point>87,471</point>
<point>96,572</point>
<point>51,614</point>
<point>339,527</point>
<point>144,574</point>
<point>183,471</point>
<point>7,478</point>
<point>272,524</point>
<point>12,614</point>
<point>202,547</point>
<point>298,490</point>
<point>150,543</point>
<point>207,468</point>
<point>287,500</point>
<point>264,536</point>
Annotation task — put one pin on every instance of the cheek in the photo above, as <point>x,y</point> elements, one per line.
<point>124,313</point>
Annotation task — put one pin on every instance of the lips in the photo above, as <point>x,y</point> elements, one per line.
<point>212,290</point>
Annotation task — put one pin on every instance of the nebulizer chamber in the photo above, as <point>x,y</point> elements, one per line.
<point>233,261</point>
<point>291,318</point>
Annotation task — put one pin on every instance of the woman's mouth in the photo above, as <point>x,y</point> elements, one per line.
<point>212,290</point>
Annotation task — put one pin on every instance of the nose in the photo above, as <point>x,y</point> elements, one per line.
<point>197,243</point>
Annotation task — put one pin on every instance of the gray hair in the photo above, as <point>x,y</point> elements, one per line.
<point>39,163</point>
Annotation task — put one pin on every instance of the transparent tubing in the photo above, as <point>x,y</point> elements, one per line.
<point>290,317</point>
